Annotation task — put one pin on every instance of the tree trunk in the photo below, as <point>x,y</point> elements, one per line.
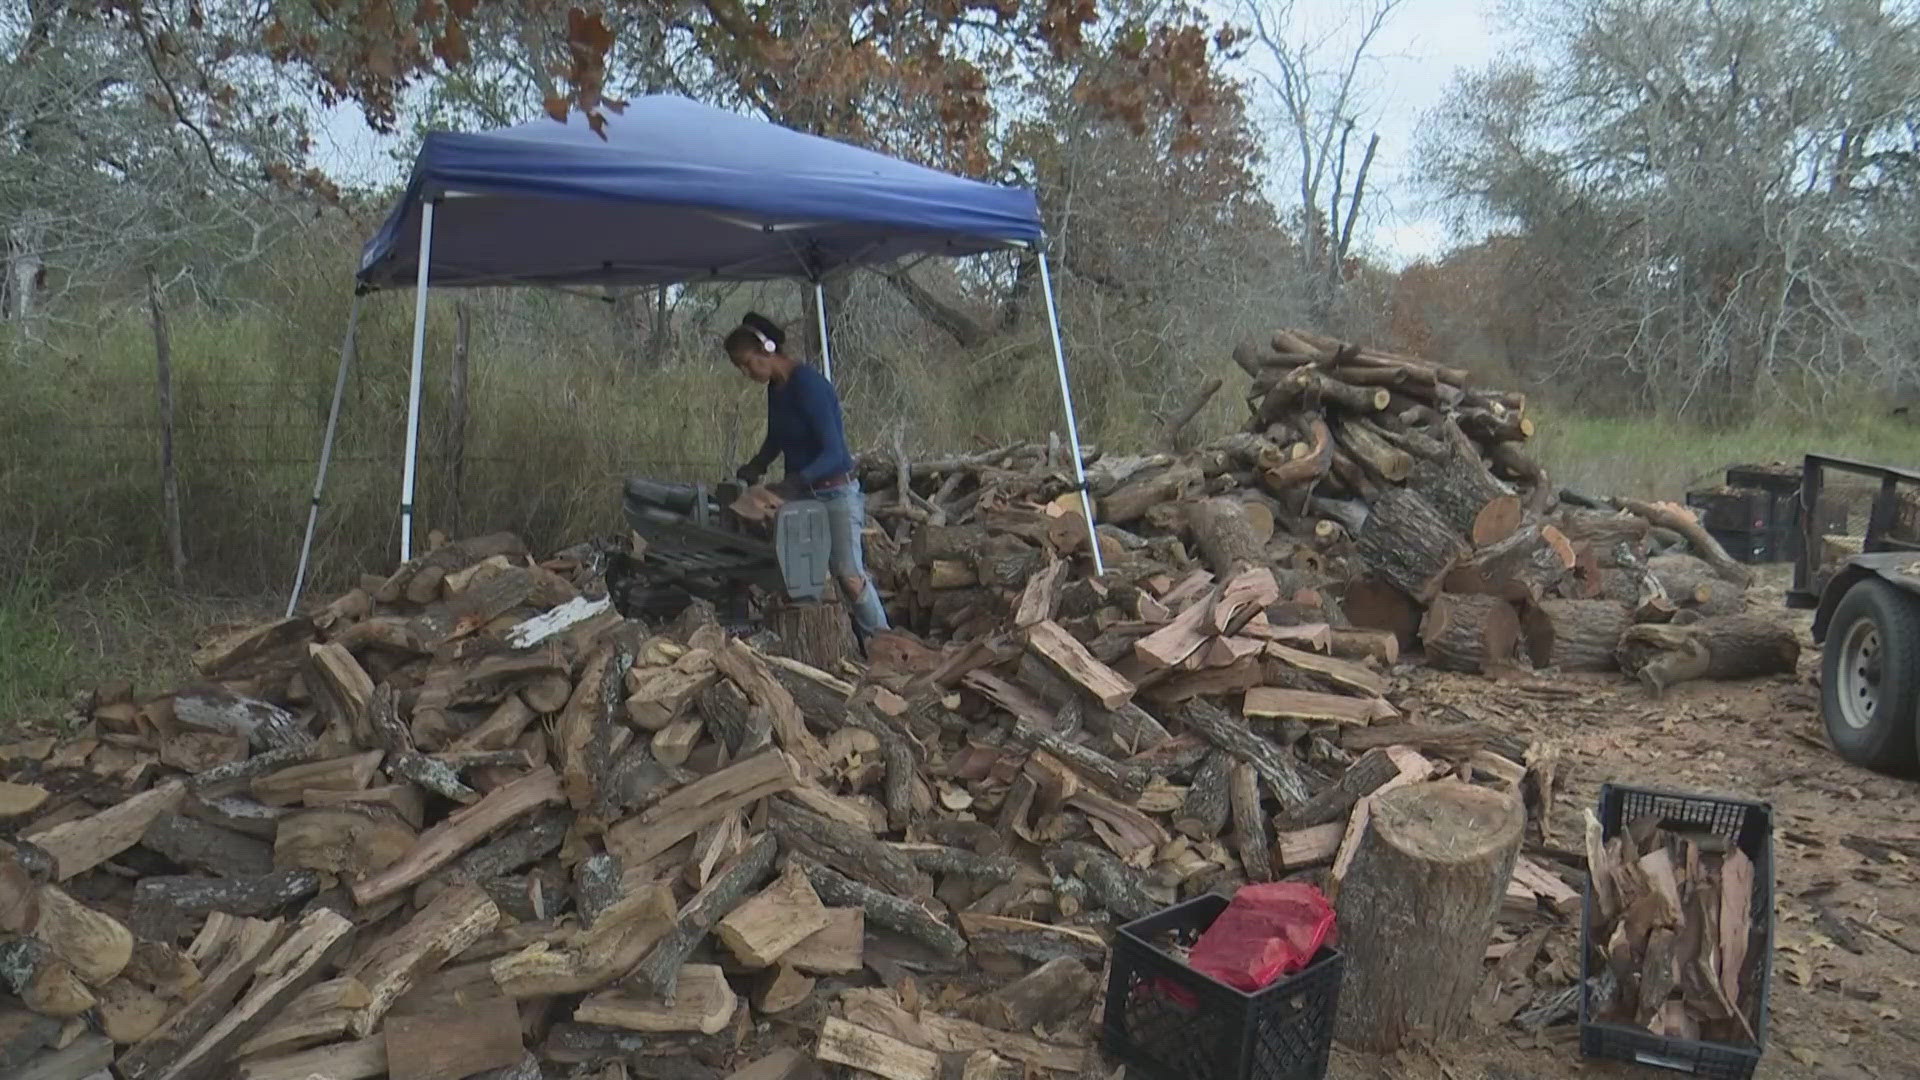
<point>169,475</point>
<point>1408,543</point>
<point>816,633</point>
<point>1224,536</point>
<point>1524,567</point>
<point>456,435</point>
<point>1434,860</point>
<point>1603,530</point>
<point>1576,635</point>
<point>1470,633</point>
<point>1691,583</point>
<point>1729,647</point>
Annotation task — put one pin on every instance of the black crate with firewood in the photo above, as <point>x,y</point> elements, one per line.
<point>1677,931</point>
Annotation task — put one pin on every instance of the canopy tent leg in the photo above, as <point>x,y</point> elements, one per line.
<point>820,309</point>
<point>413,382</point>
<point>326,452</point>
<point>1073,427</point>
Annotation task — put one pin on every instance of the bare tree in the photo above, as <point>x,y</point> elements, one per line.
<point>1315,78</point>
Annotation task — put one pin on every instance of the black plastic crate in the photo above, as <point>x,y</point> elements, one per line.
<point>1750,826</point>
<point>1169,1022</point>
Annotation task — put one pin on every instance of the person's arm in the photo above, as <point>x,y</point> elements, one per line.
<point>820,407</point>
<point>756,467</point>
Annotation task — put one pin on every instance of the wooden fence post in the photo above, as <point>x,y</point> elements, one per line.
<point>169,477</point>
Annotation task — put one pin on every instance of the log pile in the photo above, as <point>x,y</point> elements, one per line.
<point>466,820</point>
<point>1384,492</point>
<point>1673,919</point>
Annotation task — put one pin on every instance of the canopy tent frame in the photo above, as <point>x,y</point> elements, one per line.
<point>806,258</point>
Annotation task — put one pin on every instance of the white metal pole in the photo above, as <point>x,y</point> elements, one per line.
<point>413,383</point>
<point>326,452</point>
<point>820,309</point>
<point>1073,427</point>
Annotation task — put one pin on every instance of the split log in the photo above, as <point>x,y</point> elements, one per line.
<point>1524,568</point>
<point>1070,659</point>
<point>620,937</point>
<point>1123,781</point>
<point>246,943</point>
<point>1333,804</point>
<point>694,806</point>
<point>196,845</point>
<point>1604,530</point>
<point>80,845</point>
<point>164,905</point>
<point>450,924</point>
<point>1249,825</point>
<point>762,930</point>
<point>1119,888</point>
<point>1039,942</point>
<point>701,912</point>
<point>362,1059</point>
<point>1435,856</point>
<point>1470,633</point>
<point>1203,815</point>
<point>1576,635</point>
<point>849,850</point>
<point>43,981</point>
<point>905,916</point>
<point>86,1058</point>
<point>1310,465</point>
<point>466,828</point>
<point>1275,764</point>
<point>453,1044</point>
<point>1728,647</point>
<point>869,1051</point>
<point>1409,544</point>
<point>699,1001</point>
<point>1050,993</point>
<point>835,949</point>
<point>1537,486</point>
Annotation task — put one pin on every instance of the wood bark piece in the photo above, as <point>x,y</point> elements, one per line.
<point>362,1059</point>
<point>1203,814</point>
<point>1275,765</point>
<point>1666,515</point>
<point>1576,635</point>
<point>1249,824</point>
<point>1048,994</point>
<point>1728,647</point>
<point>1408,544</point>
<point>899,914</point>
<point>295,964</point>
<point>1470,633</point>
<point>620,937</point>
<point>1071,659</point>
<point>466,828</point>
<point>80,845</point>
<point>701,1002</point>
<point>860,1048</point>
<point>657,971</point>
<point>197,845</point>
<point>762,930</point>
<point>1434,856</point>
<point>453,922</point>
<point>250,941</point>
<point>456,1044</point>
<point>835,949</point>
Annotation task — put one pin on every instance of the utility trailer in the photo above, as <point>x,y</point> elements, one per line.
<point>1865,594</point>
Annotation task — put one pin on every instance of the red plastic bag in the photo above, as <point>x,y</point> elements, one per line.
<point>1266,933</point>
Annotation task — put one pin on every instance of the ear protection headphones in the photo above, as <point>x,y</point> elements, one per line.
<point>765,341</point>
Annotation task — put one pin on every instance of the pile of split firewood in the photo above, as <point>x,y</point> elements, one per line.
<point>466,820</point>
<point>1383,491</point>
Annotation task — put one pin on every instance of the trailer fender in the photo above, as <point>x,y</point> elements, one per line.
<point>1901,569</point>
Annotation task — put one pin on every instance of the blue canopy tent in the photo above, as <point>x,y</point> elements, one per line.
<point>676,192</point>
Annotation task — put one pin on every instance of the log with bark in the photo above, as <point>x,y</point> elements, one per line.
<point>1576,635</point>
<point>1729,647</point>
<point>1470,633</point>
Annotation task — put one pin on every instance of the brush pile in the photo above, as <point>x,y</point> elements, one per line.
<point>465,820</point>
<point>1383,492</point>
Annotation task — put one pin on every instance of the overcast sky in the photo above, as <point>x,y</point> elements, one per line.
<point>1415,57</point>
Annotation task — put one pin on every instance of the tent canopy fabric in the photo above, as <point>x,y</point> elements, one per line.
<point>676,192</point>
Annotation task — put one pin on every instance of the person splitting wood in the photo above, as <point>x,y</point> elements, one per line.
<point>804,427</point>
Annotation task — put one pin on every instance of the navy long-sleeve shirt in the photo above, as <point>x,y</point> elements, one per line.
<point>804,424</point>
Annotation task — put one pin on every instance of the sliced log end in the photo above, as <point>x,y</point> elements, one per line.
<point>1499,519</point>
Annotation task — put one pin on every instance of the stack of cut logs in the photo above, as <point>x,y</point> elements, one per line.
<point>1384,493</point>
<point>465,820</point>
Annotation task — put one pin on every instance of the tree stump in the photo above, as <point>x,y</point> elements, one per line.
<point>1576,635</point>
<point>1417,908</point>
<point>1470,633</point>
<point>815,632</point>
<point>1408,543</point>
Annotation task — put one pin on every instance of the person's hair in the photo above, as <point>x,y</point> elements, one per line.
<point>756,333</point>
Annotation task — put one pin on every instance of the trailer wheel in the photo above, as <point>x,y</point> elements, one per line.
<point>1870,677</point>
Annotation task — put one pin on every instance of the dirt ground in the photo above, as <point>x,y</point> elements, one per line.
<point>1846,968</point>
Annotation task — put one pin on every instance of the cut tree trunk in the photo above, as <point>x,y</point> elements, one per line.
<point>1524,568</point>
<point>1466,495</point>
<point>817,632</point>
<point>1470,633</point>
<point>1693,584</point>
<point>1409,544</point>
<point>1373,604</point>
<point>1434,856</point>
<point>1225,536</point>
<point>1576,635</point>
<point>1729,647</point>
<point>1133,498</point>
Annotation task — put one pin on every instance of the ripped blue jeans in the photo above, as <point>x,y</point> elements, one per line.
<point>846,515</point>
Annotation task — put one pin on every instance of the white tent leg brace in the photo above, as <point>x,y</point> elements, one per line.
<point>326,452</point>
<point>413,382</point>
<point>1073,427</point>
<point>820,309</point>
